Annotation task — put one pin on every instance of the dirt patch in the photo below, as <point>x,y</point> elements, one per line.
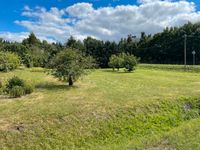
<point>20,127</point>
<point>187,107</point>
<point>7,126</point>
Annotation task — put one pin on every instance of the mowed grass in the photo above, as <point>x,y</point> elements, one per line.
<point>145,109</point>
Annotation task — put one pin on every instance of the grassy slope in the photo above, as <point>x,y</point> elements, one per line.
<point>105,110</point>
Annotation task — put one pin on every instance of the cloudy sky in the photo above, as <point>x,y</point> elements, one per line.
<point>56,20</point>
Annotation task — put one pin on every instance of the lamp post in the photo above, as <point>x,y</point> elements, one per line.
<point>193,53</point>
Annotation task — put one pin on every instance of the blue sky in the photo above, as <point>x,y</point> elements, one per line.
<point>14,20</point>
<point>10,10</point>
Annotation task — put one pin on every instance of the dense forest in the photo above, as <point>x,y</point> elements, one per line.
<point>166,47</point>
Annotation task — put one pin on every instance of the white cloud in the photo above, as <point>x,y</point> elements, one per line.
<point>107,23</point>
<point>80,10</point>
<point>18,37</point>
<point>10,36</point>
<point>150,1</point>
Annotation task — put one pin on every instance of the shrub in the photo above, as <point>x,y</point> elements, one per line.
<point>127,61</point>
<point>8,61</point>
<point>15,81</point>
<point>116,62</point>
<point>17,87</point>
<point>28,89</point>
<point>16,91</point>
<point>130,62</point>
<point>28,61</point>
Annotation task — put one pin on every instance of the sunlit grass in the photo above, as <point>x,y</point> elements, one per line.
<point>104,110</point>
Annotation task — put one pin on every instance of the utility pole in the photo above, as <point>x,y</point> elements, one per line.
<point>185,51</point>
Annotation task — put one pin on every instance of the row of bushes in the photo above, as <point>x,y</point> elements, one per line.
<point>16,87</point>
<point>8,61</point>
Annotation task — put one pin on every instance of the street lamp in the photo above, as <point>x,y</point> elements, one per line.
<point>193,53</point>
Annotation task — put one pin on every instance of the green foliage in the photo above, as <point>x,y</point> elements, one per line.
<point>17,87</point>
<point>31,40</point>
<point>8,61</point>
<point>127,61</point>
<point>73,43</point>
<point>37,57</point>
<point>189,68</point>
<point>165,47</point>
<point>69,65</point>
<point>16,91</point>
<point>15,81</point>
<point>130,62</point>
<point>38,54</point>
<point>28,88</point>
<point>28,61</point>
<point>116,61</point>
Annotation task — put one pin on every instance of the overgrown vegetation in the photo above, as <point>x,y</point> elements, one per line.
<point>8,61</point>
<point>17,87</point>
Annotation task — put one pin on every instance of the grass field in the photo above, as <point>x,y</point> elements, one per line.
<point>152,108</point>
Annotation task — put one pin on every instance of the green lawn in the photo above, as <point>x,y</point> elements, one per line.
<point>151,108</point>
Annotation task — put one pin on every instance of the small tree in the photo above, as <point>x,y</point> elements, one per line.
<point>69,65</point>
<point>116,62</point>
<point>130,62</point>
<point>127,61</point>
<point>8,61</point>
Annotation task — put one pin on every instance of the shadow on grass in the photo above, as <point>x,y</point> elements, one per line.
<point>5,97</point>
<point>54,86</point>
<point>116,71</point>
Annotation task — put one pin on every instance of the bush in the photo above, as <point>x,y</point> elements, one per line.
<point>17,87</point>
<point>116,61</point>
<point>130,62</point>
<point>8,61</point>
<point>28,89</point>
<point>15,81</point>
<point>16,91</point>
<point>127,61</point>
<point>28,61</point>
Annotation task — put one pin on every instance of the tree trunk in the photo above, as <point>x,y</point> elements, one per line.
<point>71,81</point>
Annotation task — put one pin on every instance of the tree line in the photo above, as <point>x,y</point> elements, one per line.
<point>165,47</point>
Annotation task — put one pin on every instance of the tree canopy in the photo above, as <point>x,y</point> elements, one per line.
<point>69,65</point>
<point>165,47</point>
<point>127,61</point>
